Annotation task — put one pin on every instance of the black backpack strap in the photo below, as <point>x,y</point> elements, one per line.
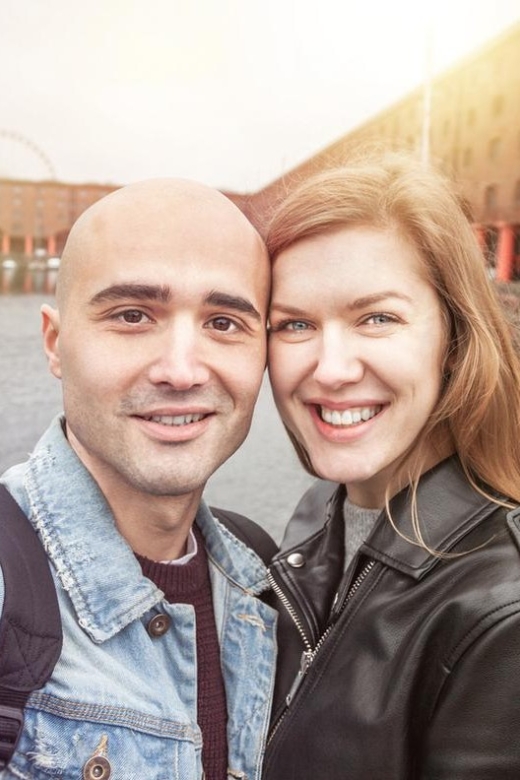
<point>30,625</point>
<point>248,532</point>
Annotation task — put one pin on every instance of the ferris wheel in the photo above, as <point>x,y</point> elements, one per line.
<point>22,158</point>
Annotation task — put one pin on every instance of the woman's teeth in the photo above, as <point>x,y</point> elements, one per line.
<point>349,416</point>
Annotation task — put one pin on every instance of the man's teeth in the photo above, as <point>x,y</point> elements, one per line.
<point>177,419</point>
<point>349,416</point>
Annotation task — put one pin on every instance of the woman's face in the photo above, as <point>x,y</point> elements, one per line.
<point>355,355</point>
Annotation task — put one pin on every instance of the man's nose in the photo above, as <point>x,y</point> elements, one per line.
<point>180,358</point>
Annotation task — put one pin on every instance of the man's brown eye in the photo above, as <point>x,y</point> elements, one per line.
<point>222,323</point>
<point>133,316</point>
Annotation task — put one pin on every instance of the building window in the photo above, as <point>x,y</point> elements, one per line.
<point>490,196</point>
<point>467,158</point>
<point>495,146</point>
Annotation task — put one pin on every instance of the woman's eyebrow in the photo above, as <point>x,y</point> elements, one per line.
<point>358,303</point>
<point>370,300</point>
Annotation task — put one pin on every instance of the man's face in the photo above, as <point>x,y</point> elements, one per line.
<point>160,346</point>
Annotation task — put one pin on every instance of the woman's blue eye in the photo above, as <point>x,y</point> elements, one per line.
<point>291,326</point>
<point>380,319</point>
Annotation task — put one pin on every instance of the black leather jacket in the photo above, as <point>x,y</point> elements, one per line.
<point>411,661</point>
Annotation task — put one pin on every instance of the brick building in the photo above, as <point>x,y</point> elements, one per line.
<point>38,215</point>
<point>474,135</point>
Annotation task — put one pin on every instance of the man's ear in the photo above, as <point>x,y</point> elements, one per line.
<point>51,331</point>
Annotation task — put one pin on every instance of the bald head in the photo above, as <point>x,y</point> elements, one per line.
<point>149,214</point>
<point>159,340</point>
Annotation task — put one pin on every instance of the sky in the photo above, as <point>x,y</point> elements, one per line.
<point>230,92</point>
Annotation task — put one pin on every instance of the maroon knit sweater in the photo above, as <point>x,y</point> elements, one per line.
<point>190,584</point>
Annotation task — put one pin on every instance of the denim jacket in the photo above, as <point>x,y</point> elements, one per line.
<point>121,702</point>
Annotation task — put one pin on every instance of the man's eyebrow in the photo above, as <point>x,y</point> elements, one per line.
<point>163,294</point>
<point>138,292</point>
<point>216,298</point>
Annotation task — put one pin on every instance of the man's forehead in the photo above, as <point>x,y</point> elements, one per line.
<point>176,203</point>
<point>161,224</point>
<point>183,237</point>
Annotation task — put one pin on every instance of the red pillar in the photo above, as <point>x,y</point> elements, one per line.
<point>505,247</point>
<point>28,280</point>
<point>6,244</point>
<point>51,245</point>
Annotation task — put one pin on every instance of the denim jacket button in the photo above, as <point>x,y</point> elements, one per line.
<point>296,560</point>
<point>97,768</point>
<point>159,625</point>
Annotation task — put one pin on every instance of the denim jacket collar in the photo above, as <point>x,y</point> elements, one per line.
<point>94,563</point>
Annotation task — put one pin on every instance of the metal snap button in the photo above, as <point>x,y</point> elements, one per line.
<point>296,560</point>
<point>97,768</point>
<point>159,625</point>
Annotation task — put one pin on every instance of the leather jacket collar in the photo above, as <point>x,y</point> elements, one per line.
<point>444,494</point>
<point>312,581</point>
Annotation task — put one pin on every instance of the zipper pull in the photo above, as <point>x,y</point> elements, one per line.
<point>345,594</point>
<point>305,662</point>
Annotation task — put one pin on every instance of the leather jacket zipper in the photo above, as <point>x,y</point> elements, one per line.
<point>309,654</point>
<point>337,609</point>
<point>290,609</point>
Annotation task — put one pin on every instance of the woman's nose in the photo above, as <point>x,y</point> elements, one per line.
<point>338,361</point>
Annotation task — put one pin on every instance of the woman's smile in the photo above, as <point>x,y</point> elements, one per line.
<point>356,370</point>
<point>348,417</point>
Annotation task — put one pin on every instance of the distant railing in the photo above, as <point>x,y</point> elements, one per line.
<point>35,274</point>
